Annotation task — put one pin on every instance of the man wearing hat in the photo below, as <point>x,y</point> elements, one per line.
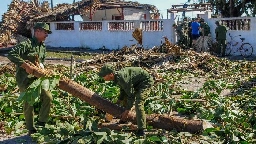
<point>134,83</point>
<point>32,50</point>
<point>221,32</point>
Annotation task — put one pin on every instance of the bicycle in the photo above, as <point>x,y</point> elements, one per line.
<point>245,49</point>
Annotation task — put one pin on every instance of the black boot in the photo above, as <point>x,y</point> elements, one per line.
<point>31,132</point>
<point>40,124</point>
<point>140,132</point>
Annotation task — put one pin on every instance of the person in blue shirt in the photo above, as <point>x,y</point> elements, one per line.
<point>195,27</point>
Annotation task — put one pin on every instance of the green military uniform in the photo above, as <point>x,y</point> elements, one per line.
<point>189,34</point>
<point>32,51</point>
<point>180,33</point>
<point>220,32</point>
<point>134,85</point>
<point>205,29</point>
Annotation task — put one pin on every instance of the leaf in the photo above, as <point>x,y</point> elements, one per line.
<point>21,97</point>
<point>64,131</point>
<point>154,139</point>
<point>19,125</point>
<point>54,82</point>
<point>8,110</point>
<point>35,84</point>
<point>139,141</point>
<point>208,130</point>
<point>21,117</point>
<point>235,138</point>
<point>101,136</point>
<point>30,96</point>
<point>45,84</point>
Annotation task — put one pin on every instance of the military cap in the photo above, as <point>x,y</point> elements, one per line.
<point>106,69</point>
<point>44,26</point>
<point>217,22</point>
<point>174,25</point>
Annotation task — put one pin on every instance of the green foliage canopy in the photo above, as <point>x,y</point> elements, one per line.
<point>232,8</point>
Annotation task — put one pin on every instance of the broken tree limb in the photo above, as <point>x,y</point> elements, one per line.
<point>156,120</point>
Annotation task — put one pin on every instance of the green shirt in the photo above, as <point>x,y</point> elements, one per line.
<point>179,30</point>
<point>220,32</point>
<point>27,50</point>
<point>131,79</point>
<point>205,27</point>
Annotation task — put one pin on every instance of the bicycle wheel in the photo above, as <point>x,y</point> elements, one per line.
<point>246,49</point>
<point>228,49</point>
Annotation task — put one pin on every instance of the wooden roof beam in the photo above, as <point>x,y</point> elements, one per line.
<point>184,9</point>
<point>191,4</point>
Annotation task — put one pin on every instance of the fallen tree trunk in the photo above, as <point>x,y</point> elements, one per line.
<point>156,120</point>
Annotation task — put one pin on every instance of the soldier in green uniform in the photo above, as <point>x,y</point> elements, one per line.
<point>185,41</point>
<point>220,32</point>
<point>190,33</point>
<point>205,29</point>
<point>179,32</point>
<point>32,50</point>
<point>134,83</point>
<point>203,43</point>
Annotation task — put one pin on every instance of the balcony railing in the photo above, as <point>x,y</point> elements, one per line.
<point>152,25</point>
<point>237,24</point>
<point>97,26</point>
<point>120,26</point>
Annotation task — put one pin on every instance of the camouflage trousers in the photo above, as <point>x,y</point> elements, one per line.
<point>28,110</point>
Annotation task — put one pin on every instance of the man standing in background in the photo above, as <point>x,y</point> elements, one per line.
<point>221,32</point>
<point>195,26</point>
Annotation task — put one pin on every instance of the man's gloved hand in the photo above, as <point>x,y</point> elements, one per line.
<point>26,66</point>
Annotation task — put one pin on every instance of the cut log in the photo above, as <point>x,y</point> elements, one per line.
<point>156,120</point>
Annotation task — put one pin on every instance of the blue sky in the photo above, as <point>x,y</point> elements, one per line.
<point>162,5</point>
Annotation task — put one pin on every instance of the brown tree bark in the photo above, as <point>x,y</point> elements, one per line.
<point>156,120</point>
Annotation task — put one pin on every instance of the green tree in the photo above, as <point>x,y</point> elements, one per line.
<point>232,8</point>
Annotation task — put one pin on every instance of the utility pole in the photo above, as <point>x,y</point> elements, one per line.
<point>52,4</point>
<point>73,16</point>
<point>231,8</point>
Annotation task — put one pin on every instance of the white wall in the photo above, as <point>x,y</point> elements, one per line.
<point>135,14</point>
<point>129,14</point>
<point>111,39</point>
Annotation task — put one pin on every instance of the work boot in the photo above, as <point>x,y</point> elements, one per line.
<point>140,132</point>
<point>31,132</point>
<point>40,124</point>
